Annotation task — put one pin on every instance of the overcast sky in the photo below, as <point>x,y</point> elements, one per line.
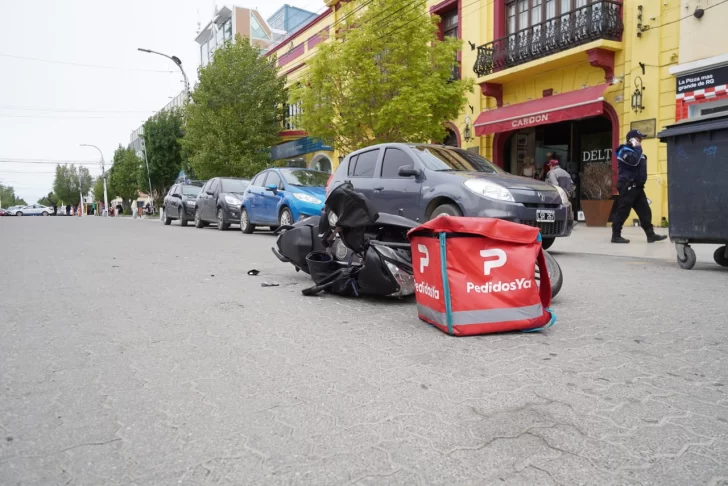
<point>50,105</point>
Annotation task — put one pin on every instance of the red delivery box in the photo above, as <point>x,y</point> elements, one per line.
<point>478,276</point>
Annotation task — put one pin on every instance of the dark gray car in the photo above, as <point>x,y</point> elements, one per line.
<point>421,182</point>
<point>219,202</point>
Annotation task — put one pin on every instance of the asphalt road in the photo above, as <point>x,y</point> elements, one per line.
<point>134,353</point>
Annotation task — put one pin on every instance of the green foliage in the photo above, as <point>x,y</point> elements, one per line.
<point>99,189</point>
<point>237,112</point>
<point>162,134</point>
<point>70,182</point>
<point>48,200</point>
<point>384,78</point>
<point>8,198</point>
<point>123,175</point>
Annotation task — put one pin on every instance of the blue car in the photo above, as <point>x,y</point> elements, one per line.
<point>281,196</point>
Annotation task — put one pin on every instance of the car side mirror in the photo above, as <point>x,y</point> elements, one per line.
<point>409,171</point>
<point>210,193</point>
<point>271,187</point>
<point>179,196</point>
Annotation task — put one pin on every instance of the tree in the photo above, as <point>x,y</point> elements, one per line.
<point>98,189</point>
<point>20,202</point>
<point>48,200</point>
<point>383,81</point>
<point>8,198</point>
<point>162,134</point>
<point>237,113</point>
<point>70,182</point>
<point>123,175</point>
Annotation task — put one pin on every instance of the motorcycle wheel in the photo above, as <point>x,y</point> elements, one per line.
<point>555,274</point>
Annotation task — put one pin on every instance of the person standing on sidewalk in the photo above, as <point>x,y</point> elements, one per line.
<point>560,178</point>
<point>632,164</point>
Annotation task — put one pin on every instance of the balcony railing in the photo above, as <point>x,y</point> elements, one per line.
<point>598,20</point>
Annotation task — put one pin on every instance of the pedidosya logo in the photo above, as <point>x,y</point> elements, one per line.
<point>496,287</point>
<point>423,287</point>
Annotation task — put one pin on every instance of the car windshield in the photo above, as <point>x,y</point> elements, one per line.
<point>234,185</point>
<point>306,178</point>
<point>190,190</point>
<point>453,159</point>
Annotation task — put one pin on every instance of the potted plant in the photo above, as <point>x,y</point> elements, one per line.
<point>596,193</point>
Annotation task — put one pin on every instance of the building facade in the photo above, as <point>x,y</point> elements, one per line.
<point>290,19</point>
<point>563,77</point>
<point>702,75</point>
<point>230,21</point>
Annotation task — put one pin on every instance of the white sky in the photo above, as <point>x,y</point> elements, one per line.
<point>38,99</point>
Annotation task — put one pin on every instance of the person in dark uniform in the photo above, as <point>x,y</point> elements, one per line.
<point>632,163</point>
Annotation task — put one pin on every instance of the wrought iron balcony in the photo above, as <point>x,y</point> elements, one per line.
<point>598,20</point>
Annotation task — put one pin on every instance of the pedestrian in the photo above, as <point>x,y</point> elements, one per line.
<point>68,209</point>
<point>560,178</point>
<point>55,209</point>
<point>632,164</point>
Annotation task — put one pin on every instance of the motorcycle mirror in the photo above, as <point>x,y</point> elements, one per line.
<point>409,171</point>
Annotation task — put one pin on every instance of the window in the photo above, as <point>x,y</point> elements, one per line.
<point>190,190</point>
<point>453,160</point>
<point>235,186</point>
<point>204,55</point>
<point>365,164</point>
<point>274,178</point>
<point>219,40</point>
<point>305,178</point>
<point>450,24</point>
<point>171,190</point>
<point>176,189</point>
<point>524,14</point>
<point>709,108</point>
<point>256,31</point>
<point>213,186</point>
<point>228,29</point>
<point>352,164</point>
<point>393,160</point>
<point>259,179</point>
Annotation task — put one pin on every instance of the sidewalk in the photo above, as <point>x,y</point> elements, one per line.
<point>596,241</point>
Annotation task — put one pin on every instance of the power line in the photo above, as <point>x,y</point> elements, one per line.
<point>52,117</point>
<point>67,110</point>
<point>96,66</point>
<point>13,160</point>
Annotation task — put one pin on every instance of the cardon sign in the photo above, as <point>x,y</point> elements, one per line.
<point>709,78</point>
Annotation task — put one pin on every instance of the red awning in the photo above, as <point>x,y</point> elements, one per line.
<point>573,105</point>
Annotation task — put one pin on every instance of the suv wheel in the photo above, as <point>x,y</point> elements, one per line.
<point>446,209</point>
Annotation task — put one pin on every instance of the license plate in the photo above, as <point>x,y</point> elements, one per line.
<point>545,216</point>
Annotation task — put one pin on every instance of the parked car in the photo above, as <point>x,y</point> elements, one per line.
<point>278,197</point>
<point>33,210</point>
<point>179,203</point>
<point>421,182</point>
<point>11,210</point>
<point>219,202</point>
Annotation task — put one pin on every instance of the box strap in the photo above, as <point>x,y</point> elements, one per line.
<point>446,282</point>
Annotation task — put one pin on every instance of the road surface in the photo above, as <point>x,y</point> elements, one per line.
<point>137,353</point>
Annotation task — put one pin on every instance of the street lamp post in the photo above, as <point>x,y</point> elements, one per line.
<point>178,62</point>
<point>103,172</point>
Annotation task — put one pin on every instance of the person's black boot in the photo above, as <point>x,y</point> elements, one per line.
<point>619,239</point>
<point>654,237</point>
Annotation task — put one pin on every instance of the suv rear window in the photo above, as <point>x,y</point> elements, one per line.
<point>363,164</point>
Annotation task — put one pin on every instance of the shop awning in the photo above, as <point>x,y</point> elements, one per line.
<point>581,103</point>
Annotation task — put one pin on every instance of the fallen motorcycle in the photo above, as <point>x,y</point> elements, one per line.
<point>350,249</point>
<point>353,250</point>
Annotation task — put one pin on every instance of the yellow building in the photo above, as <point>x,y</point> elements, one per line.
<point>553,76</point>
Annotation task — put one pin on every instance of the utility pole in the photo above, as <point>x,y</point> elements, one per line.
<point>178,62</point>
<point>103,174</point>
<point>146,160</point>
